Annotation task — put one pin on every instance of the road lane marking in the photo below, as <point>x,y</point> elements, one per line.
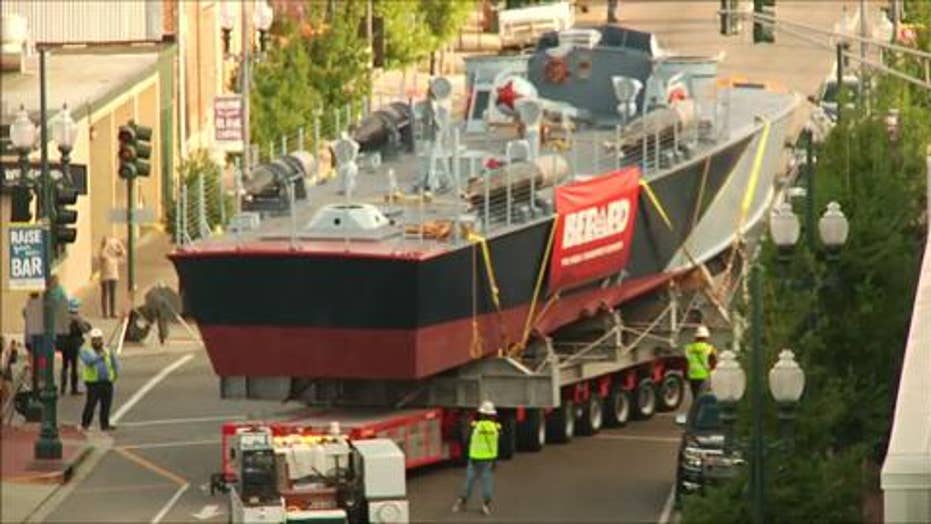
<point>182,483</point>
<point>170,504</point>
<point>151,466</point>
<point>133,487</point>
<point>175,444</point>
<point>667,508</point>
<point>191,420</point>
<point>137,396</point>
<point>643,438</point>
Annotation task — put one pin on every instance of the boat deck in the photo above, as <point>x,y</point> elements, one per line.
<point>736,111</point>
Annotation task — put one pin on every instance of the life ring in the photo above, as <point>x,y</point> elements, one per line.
<point>556,70</point>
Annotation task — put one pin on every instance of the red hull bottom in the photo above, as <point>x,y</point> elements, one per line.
<point>315,352</point>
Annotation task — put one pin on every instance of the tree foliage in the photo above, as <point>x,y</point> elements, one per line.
<point>310,70</point>
<point>196,165</point>
<point>847,319</point>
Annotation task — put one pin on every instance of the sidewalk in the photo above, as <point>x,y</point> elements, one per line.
<point>27,484</point>
<point>152,266</point>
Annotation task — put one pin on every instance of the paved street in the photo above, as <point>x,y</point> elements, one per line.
<point>167,444</point>
<point>166,441</point>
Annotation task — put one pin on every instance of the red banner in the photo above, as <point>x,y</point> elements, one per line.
<point>594,227</point>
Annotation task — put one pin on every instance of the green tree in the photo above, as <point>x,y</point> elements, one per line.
<point>407,38</point>
<point>846,319</point>
<point>304,75</point>
<point>196,165</point>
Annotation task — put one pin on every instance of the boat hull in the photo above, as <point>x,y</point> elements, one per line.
<point>338,313</point>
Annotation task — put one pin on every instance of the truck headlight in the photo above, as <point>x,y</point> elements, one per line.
<point>693,457</point>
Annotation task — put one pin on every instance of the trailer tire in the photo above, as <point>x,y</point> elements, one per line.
<point>671,392</point>
<point>592,416</point>
<point>507,440</point>
<point>644,399</point>
<point>617,408</point>
<point>531,433</point>
<point>560,426</point>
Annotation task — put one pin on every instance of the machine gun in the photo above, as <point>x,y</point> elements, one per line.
<point>267,190</point>
<point>385,131</point>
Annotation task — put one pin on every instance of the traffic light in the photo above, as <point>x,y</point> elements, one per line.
<point>135,150</point>
<point>63,217</point>
<point>21,204</point>
<point>763,31</point>
<point>728,15</point>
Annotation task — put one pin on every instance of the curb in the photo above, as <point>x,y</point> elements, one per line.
<point>55,477</point>
<point>95,450</point>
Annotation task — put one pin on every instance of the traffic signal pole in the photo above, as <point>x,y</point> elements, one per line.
<point>48,445</point>
<point>130,241</point>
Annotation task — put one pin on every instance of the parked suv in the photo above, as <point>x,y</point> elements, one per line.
<point>702,457</point>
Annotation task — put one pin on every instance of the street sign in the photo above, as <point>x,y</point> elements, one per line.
<point>227,120</point>
<point>9,174</point>
<point>27,257</point>
<point>141,215</point>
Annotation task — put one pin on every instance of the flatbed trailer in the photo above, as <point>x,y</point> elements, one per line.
<point>599,372</point>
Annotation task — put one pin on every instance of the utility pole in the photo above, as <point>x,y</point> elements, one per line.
<point>48,446</point>
<point>246,87</point>
<point>894,15</point>
<point>757,464</point>
<point>863,44</point>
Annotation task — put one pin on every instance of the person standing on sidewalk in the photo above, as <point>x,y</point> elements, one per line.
<point>101,369</point>
<point>111,256</point>
<point>483,452</point>
<point>71,345</point>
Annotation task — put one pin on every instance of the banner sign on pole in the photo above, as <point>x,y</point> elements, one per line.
<point>27,257</point>
<point>227,119</point>
<point>10,176</point>
<point>594,227</point>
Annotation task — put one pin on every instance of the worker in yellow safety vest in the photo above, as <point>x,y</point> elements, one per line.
<point>483,451</point>
<point>100,371</point>
<point>700,355</point>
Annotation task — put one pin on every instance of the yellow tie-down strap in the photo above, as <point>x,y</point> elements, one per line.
<point>475,238</point>
<point>754,173</point>
<point>656,203</point>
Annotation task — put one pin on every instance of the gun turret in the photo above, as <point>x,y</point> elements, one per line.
<point>386,130</point>
<point>267,189</point>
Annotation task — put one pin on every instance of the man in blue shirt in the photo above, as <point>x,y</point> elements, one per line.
<point>101,369</point>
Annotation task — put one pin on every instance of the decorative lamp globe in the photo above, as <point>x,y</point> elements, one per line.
<point>64,130</point>
<point>784,227</point>
<point>23,131</point>
<point>833,227</point>
<point>263,16</point>
<point>786,379</point>
<point>227,21</point>
<point>728,380</point>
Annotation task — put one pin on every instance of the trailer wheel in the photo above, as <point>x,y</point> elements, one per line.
<point>671,392</point>
<point>560,426</point>
<point>592,416</point>
<point>644,399</point>
<point>617,408</point>
<point>507,441</point>
<point>531,433</point>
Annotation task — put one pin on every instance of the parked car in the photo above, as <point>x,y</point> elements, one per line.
<point>827,95</point>
<point>703,458</point>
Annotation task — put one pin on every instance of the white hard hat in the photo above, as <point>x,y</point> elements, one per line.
<point>96,333</point>
<point>487,408</point>
<point>702,332</point>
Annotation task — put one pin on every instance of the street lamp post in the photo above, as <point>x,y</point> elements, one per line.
<point>48,446</point>
<point>786,384</point>
<point>64,131</point>
<point>728,385</point>
<point>262,18</point>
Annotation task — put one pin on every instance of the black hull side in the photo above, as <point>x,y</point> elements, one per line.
<point>341,291</point>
